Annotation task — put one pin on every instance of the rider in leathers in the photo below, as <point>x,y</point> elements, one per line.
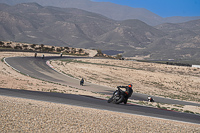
<point>128,92</point>
<point>82,81</point>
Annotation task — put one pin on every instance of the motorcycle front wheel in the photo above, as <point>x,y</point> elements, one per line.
<point>120,100</point>
<point>110,100</point>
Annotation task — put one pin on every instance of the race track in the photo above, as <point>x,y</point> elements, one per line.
<point>37,67</point>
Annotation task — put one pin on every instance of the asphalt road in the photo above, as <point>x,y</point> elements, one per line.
<point>36,67</point>
<point>85,101</point>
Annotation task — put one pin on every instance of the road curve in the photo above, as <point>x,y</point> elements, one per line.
<point>36,67</point>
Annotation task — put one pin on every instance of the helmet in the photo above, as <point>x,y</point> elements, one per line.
<point>129,85</point>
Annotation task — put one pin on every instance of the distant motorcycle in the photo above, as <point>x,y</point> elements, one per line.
<point>150,99</point>
<point>82,82</point>
<point>118,97</point>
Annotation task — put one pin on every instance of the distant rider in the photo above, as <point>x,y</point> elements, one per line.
<point>128,92</point>
<point>82,81</point>
<point>35,54</point>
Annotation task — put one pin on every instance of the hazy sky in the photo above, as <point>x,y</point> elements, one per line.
<point>164,8</point>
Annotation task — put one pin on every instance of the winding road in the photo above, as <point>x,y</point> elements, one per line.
<point>37,68</point>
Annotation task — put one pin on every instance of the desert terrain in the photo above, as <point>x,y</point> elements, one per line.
<point>176,82</point>
<point>24,115</point>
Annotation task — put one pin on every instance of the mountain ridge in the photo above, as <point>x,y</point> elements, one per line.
<point>110,10</point>
<point>82,29</point>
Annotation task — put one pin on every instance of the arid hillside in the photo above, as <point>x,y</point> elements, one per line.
<point>72,27</point>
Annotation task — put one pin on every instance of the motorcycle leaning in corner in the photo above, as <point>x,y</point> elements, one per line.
<point>117,97</point>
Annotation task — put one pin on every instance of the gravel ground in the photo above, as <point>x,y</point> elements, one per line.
<point>23,115</point>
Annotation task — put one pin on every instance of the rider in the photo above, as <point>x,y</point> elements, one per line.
<point>82,81</point>
<point>35,54</point>
<point>128,92</point>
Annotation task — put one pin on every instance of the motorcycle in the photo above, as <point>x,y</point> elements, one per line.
<point>118,97</point>
<point>82,82</point>
<point>150,99</point>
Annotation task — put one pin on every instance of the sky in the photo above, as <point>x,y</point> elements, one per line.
<point>163,8</point>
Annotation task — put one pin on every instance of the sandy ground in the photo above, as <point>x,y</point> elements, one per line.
<point>149,78</point>
<point>19,115</point>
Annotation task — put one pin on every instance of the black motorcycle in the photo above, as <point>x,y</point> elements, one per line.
<point>82,82</point>
<point>118,97</point>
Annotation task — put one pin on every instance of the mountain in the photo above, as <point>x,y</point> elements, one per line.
<point>110,10</point>
<point>33,23</point>
<point>184,38</point>
<point>49,25</point>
